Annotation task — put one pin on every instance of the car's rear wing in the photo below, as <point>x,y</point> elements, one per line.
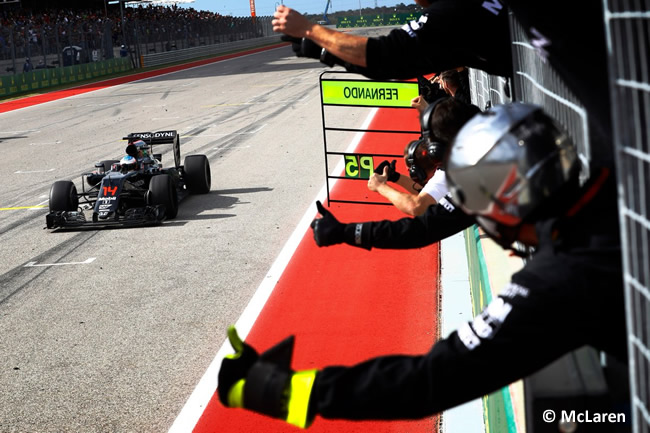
<point>160,137</point>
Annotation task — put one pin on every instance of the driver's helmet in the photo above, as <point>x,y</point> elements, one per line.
<point>511,165</point>
<point>128,163</point>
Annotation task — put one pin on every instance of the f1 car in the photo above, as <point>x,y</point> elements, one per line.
<point>142,192</point>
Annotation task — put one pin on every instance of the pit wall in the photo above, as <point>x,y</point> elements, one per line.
<point>489,269</point>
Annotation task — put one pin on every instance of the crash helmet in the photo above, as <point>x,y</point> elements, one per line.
<point>511,165</point>
<point>142,147</point>
<point>128,163</point>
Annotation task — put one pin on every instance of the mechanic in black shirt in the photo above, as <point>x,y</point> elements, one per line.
<point>449,34</point>
<point>521,185</point>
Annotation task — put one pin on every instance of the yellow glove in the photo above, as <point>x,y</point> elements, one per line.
<point>266,383</point>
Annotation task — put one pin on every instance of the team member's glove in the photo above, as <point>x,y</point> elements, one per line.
<point>304,47</point>
<point>266,383</point>
<point>327,229</point>
<point>393,176</point>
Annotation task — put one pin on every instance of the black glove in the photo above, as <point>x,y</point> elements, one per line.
<point>430,91</point>
<point>304,47</point>
<point>327,230</point>
<point>393,176</point>
<point>266,383</point>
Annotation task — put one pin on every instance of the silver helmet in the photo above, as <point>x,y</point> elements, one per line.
<point>506,163</point>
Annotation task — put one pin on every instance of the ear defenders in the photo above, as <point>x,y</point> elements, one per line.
<point>435,148</point>
<point>416,173</point>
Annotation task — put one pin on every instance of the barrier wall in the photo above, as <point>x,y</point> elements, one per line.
<point>43,78</point>
<point>157,59</point>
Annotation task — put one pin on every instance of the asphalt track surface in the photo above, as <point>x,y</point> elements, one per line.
<point>112,330</point>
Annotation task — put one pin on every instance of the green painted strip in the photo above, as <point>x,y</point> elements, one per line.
<point>510,413</point>
<point>497,407</point>
<point>369,93</point>
<point>485,279</point>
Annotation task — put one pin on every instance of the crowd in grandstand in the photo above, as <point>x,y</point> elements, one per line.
<point>22,31</point>
<point>85,18</point>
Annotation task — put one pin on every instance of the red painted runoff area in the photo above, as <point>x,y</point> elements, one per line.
<point>15,104</point>
<point>345,305</point>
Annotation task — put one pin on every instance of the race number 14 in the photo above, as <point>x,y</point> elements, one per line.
<point>358,166</point>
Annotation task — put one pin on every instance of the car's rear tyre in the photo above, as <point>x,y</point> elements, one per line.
<point>197,174</point>
<point>162,191</point>
<point>63,196</point>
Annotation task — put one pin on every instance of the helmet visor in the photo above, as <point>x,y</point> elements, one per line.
<point>517,174</point>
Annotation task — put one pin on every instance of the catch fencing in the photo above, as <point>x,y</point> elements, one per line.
<point>628,28</point>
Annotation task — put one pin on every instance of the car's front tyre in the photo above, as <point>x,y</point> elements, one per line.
<point>163,192</point>
<point>63,196</point>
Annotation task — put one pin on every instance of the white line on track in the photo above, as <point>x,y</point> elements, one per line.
<point>200,397</point>
<point>221,134</point>
<point>33,171</point>
<point>20,131</point>
<point>34,264</point>
<point>231,147</point>
<point>45,143</point>
<point>40,205</point>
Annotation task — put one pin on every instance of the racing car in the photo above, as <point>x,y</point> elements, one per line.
<point>136,191</point>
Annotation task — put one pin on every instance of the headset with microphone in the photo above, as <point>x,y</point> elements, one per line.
<point>433,148</point>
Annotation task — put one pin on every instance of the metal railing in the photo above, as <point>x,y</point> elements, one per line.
<point>157,59</point>
<point>627,25</point>
<point>144,38</point>
<point>24,48</point>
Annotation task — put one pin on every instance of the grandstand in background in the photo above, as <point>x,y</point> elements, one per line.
<point>60,4</point>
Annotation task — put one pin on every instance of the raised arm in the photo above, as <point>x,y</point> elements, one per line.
<point>347,47</point>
